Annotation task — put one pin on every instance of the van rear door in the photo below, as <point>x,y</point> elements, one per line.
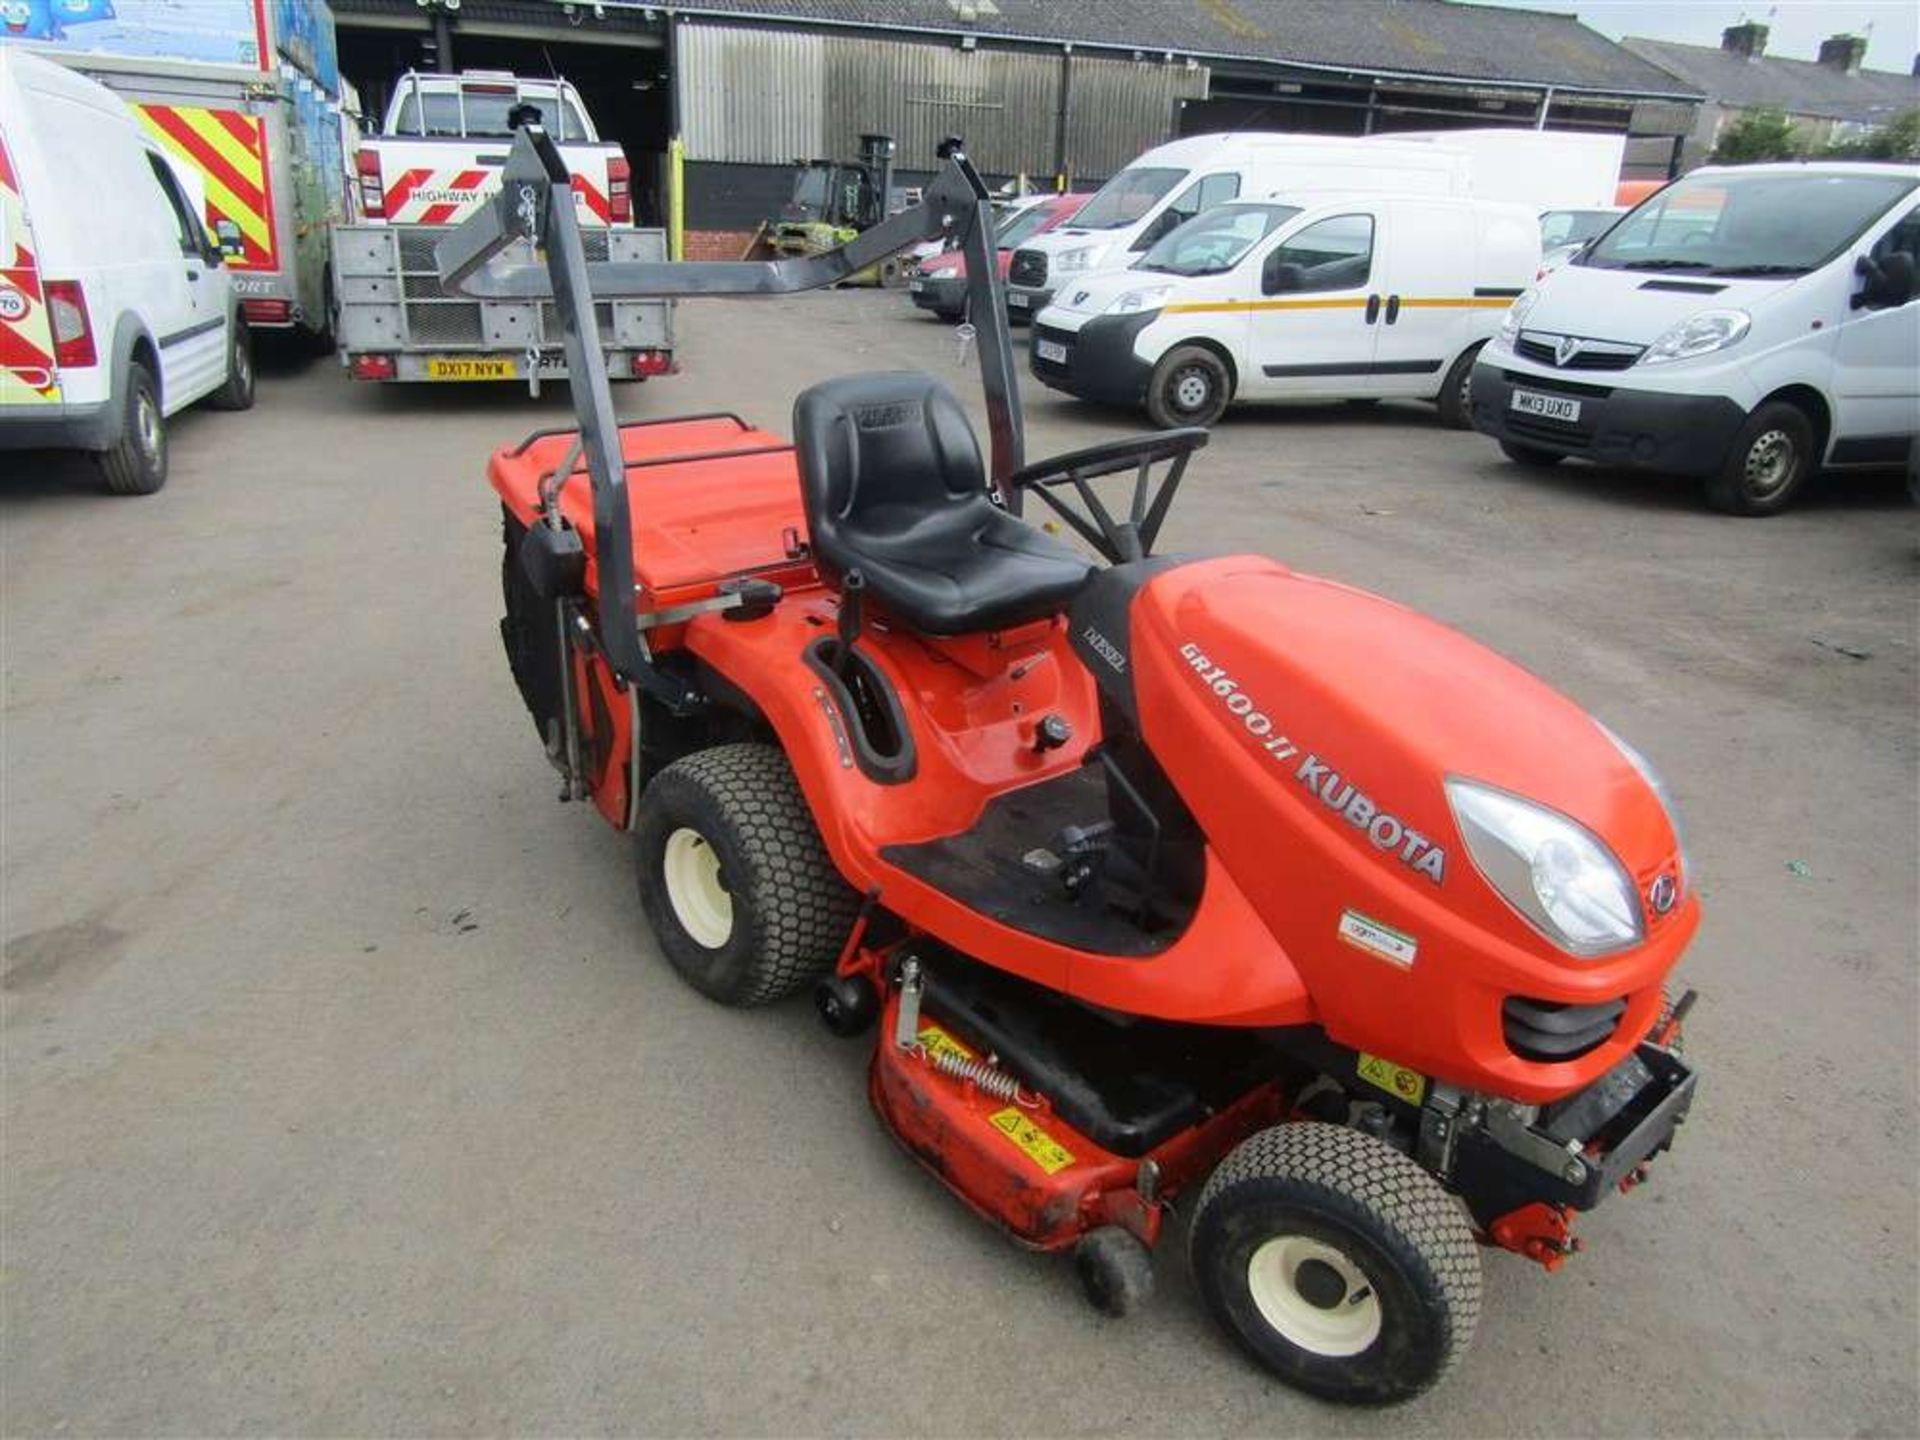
<point>27,375</point>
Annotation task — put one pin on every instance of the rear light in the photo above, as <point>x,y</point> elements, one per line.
<point>373,199</point>
<point>653,362</point>
<point>372,367</point>
<point>619,191</point>
<point>72,330</point>
<point>267,312</point>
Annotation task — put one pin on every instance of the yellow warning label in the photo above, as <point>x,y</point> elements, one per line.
<point>1396,1080</point>
<point>1041,1148</point>
<point>936,1041</point>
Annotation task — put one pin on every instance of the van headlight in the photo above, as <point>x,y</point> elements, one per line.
<point>1516,316</point>
<point>1081,259</point>
<point>1558,874</point>
<point>1131,302</point>
<point>1700,334</point>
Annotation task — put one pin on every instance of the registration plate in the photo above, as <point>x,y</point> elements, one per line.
<point>914,287</point>
<point>448,369</point>
<point>1051,350</point>
<point>1017,300</point>
<point>1547,407</point>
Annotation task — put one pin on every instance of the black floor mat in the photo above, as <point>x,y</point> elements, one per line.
<point>984,869</point>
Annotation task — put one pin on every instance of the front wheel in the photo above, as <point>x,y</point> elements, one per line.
<point>735,879</point>
<point>1190,386</point>
<point>1337,1263</point>
<point>1767,464</point>
<point>1456,392</point>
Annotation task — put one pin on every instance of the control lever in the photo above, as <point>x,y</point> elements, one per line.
<point>853,597</point>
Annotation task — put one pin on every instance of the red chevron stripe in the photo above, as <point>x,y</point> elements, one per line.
<point>210,159</point>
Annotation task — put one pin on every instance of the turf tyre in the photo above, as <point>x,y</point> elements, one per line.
<point>790,910</point>
<point>1402,1239</point>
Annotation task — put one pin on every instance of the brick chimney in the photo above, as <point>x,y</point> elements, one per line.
<point>1748,39</point>
<point>1843,53</point>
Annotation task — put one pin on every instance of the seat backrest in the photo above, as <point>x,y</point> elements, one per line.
<point>881,455</point>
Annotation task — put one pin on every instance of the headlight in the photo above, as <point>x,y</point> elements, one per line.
<point>1554,871</point>
<point>1081,259</point>
<point>1660,793</point>
<point>1700,334</point>
<point>1152,297</point>
<point>1516,316</point>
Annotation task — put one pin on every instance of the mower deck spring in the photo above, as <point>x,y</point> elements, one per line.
<point>982,1074</point>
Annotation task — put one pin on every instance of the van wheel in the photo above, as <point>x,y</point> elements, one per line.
<point>1768,462</point>
<point>1190,386</point>
<point>237,393</point>
<point>138,464</point>
<point>1530,455</point>
<point>1456,392</point>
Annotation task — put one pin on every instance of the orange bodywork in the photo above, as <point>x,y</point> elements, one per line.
<point>1386,702</point>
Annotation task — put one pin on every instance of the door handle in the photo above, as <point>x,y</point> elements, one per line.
<point>194,276</point>
<point>1373,308</point>
<point>1393,308</point>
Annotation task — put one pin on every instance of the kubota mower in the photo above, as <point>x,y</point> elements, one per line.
<point>1159,880</point>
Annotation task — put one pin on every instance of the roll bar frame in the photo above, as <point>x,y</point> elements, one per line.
<point>535,204</point>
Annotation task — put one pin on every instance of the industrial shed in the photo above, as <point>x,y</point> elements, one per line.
<point>1062,93</point>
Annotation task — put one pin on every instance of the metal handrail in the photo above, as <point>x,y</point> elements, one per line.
<point>535,205</point>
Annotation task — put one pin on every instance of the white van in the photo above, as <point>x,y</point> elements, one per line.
<point>1547,169</point>
<point>115,311</point>
<point>1744,326</point>
<point>1171,184</point>
<point>1351,297</point>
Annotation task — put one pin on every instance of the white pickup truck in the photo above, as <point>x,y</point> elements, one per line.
<point>437,157</point>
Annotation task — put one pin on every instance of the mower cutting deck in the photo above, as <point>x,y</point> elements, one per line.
<point>1151,876</point>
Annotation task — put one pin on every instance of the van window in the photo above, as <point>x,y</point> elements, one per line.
<point>1215,241</point>
<point>1126,197</point>
<point>1570,227</point>
<point>1904,236</point>
<point>1196,199</point>
<point>186,225</point>
<point>1759,224</point>
<point>1335,254</point>
<point>483,111</point>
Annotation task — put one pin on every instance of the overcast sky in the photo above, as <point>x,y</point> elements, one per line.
<point>1798,26</point>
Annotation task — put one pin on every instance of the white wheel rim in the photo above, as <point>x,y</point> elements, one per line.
<point>1336,1314</point>
<point>696,889</point>
<point>1191,390</point>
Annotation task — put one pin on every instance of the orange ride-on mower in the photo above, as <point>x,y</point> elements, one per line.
<point>1160,880</point>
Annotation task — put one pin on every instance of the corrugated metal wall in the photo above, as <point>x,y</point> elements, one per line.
<point>766,96</point>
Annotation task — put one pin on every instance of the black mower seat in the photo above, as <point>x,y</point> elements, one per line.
<point>894,487</point>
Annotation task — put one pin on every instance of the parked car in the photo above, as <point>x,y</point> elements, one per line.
<point>939,283</point>
<point>1346,297</point>
<point>1744,326</point>
<point>111,320</point>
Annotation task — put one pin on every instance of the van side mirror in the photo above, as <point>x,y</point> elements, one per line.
<point>1278,277</point>
<point>1163,224</point>
<point>1888,281</point>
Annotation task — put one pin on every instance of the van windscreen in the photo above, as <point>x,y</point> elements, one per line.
<point>1719,223</point>
<point>1127,197</point>
<point>1214,240</point>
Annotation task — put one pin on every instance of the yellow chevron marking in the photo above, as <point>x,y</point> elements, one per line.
<point>251,222</point>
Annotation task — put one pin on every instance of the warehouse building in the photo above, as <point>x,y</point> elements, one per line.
<point>1059,93</point>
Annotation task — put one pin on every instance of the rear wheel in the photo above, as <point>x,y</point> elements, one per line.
<point>1337,1263</point>
<point>137,465</point>
<point>237,392</point>
<point>1767,464</point>
<point>1456,392</point>
<point>735,879</point>
<point>1531,455</point>
<point>1190,386</point>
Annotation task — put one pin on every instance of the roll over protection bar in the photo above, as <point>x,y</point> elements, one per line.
<point>535,204</point>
